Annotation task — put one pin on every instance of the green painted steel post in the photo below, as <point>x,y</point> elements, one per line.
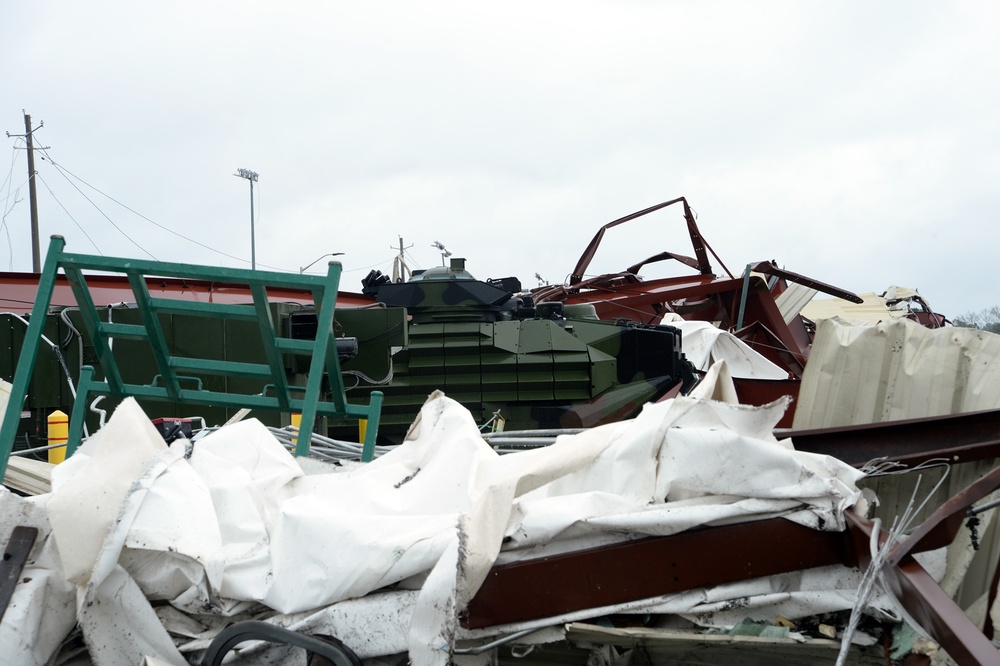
<point>321,348</point>
<point>29,352</point>
<point>371,430</point>
<point>79,410</point>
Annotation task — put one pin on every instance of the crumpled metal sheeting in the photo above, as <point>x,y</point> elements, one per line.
<point>896,370</point>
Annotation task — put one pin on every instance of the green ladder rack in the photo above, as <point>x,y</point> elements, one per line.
<point>167,385</point>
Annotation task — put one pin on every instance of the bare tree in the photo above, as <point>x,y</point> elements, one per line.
<point>985,320</point>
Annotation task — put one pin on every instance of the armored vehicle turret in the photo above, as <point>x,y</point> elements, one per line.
<point>487,345</point>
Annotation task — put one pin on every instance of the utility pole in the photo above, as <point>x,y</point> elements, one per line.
<point>36,253</point>
<point>252,177</point>
<point>400,271</point>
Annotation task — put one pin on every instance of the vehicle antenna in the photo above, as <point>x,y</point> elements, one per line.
<point>444,251</point>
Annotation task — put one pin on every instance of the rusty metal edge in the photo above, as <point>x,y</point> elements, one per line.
<point>15,555</point>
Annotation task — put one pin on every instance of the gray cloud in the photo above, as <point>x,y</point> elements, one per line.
<point>852,142</point>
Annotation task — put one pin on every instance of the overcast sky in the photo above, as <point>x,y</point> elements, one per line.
<point>854,142</point>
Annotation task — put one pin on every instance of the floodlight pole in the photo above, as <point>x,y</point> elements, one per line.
<point>252,177</point>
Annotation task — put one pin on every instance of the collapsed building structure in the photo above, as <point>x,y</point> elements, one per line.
<point>619,539</point>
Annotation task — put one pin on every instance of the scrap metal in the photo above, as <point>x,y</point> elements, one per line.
<point>955,437</point>
<point>744,305</point>
<point>644,568</point>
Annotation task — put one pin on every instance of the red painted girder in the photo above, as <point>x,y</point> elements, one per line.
<point>644,568</point>
<point>956,437</point>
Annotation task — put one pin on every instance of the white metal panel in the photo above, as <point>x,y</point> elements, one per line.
<point>896,370</point>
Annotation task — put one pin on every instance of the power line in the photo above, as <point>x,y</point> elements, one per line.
<point>8,181</point>
<point>129,238</point>
<point>364,268</point>
<point>13,160</point>
<point>70,216</point>
<point>61,169</point>
<point>413,259</point>
<point>17,191</point>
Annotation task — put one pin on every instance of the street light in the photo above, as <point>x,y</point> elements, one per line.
<point>252,177</point>
<point>328,254</point>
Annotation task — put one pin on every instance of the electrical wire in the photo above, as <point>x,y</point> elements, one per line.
<point>370,266</point>
<point>371,382</point>
<point>62,169</point>
<point>880,552</point>
<point>8,210</point>
<point>10,244</point>
<point>66,173</point>
<point>413,261</point>
<point>10,172</point>
<point>96,207</point>
<point>55,350</point>
<point>78,225</point>
<point>17,191</point>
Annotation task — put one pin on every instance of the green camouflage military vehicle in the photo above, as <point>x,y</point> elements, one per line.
<point>485,344</point>
<point>541,365</point>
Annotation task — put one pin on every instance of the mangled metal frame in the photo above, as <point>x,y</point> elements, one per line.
<point>644,568</point>
<point>742,304</point>
<point>731,300</point>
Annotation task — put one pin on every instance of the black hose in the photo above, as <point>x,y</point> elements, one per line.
<point>254,630</point>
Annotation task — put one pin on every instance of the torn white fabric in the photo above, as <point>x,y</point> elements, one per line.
<point>42,610</point>
<point>705,344</point>
<point>236,525</point>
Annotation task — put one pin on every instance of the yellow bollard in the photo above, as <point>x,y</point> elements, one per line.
<point>58,434</point>
<point>297,423</point>
<point>362,429</point>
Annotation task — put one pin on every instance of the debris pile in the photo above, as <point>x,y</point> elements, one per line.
<point>696,528</point>
<point>154,548</point>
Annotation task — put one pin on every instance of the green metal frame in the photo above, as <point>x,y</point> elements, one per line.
<point>167,385</point>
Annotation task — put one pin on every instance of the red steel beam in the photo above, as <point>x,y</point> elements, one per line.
<point>955,437</point>
<point>936,612</point>
<point>644,568</point>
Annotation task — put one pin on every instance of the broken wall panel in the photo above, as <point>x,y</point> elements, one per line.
<point>896,370</point>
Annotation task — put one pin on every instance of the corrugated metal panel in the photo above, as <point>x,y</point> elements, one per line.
<point>791,301</point>
<point>900,370</point>
<point>873,310</point>
<point>896,370</point>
